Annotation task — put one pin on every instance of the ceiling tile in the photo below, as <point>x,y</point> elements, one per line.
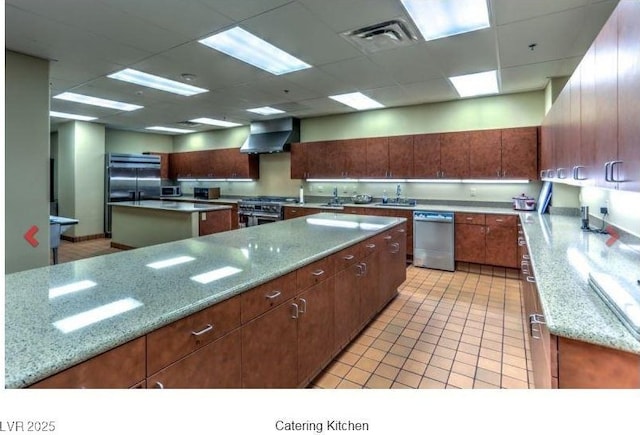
<point>509,11</point>
<point>360,73</point>
<point>353,14</point>
<point>409,65</point>
<point>465,54</point>
<point>535,76</point>
<point>241,10</point>
<point>430,91</point>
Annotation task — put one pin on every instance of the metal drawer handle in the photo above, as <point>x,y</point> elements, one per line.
<point>364,267</point>
<point>348,257</point>
<point>397,248</point>
<point>294,315</point>
<point>388,237</point>
<point>532,322</point>
<point>273,295</point>
<point>401,230</point>
<point>469,218</point>
<point>499,220</point>
<point>318,272</point>
<point>208,328</point>
<point>360,270</point>
<point>526,257</point>
<point>531,279</point>
<point>303,308</point>
<point>159,385</point>
<point>613,165</point>
<point>371,245</point>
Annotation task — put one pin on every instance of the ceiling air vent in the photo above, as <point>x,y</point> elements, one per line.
<point>382,36</point>
<point>188,124</point>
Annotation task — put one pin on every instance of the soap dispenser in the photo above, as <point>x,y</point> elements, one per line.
<point>385,199</point>
<point>301,200</point>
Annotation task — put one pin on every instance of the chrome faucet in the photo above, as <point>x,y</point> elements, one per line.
<point>335,195</point>
<point>398,193</point>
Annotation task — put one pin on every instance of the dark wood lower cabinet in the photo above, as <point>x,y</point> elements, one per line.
<point>216,365</point>
<point>270,349</point>
<point>470,243</point>
<point>347,304</point>
<point>501,247</point>
<point>315,328</point>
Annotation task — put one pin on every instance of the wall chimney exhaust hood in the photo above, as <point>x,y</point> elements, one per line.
<point>272,136</point>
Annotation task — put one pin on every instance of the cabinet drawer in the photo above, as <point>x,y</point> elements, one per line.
<point>315,272</point>
<point>347,257</point>
<point>172,342</point>
<point>122,367</point>
<point>470,218</point>
<point>502,220</point>
<point>266,296</point>
<point>374,243</point>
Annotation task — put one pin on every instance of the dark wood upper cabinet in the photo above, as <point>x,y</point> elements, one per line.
<point>588,113</point>
<point>401,157</point>
<point>219,163</point>
<point>353,157</point>
<point>298,161</point>
<point>520,153</point>
<point>629,96</point>
<point>485,154</point>
<point>454,155</point>
<point>377,157</point>
<point>426,154</point>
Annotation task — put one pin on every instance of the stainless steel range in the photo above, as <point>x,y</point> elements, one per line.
<point>261,210</point>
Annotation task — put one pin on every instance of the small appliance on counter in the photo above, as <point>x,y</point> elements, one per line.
<point>206,192</point>
<point>524,202</point>
<point>584,217</point>
<point>362,198</point>
<point>170,191</point>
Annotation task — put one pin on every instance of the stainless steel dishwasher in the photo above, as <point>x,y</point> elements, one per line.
<point>433,240</point>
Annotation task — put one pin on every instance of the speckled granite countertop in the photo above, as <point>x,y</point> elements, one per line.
<point>169,205</point>
<point>562,256</point>
<point>150,298</point>
<point>191,198</point>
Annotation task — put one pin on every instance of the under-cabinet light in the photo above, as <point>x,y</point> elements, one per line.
<point>214,275</point>
<point>71,116</point>
<point>331,180</point>
<point>141,78</point>
<point>242,45</point>
<point>382,180</point>
<point>95,101</point>
<point>357,100</point>
<point>170,262</point>
<point>54,292</point>
<point>501,181</point>
<point>441,18</point>
<point>471,85</point>
<point>266,110</point>
<point>95,315</point>
<point>216,122</point>
<point>435,180</point>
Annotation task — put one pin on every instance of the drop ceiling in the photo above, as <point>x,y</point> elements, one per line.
<point>86,40</point>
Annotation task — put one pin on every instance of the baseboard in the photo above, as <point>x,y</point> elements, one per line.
<point>121,246</point>
<point>75,239</point>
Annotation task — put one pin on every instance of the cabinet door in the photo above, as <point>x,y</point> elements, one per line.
<point>347,304</point>
<point>354,153</point>
<point>573,128</point>
<point>370,281</point>
<point>520,153</point>
<point>501,241</point>
<point>606,87</point>
<point>485,151</point>
<point>223,163</point>
<point>589,170</point>
<point>216,365</point>
<point>470,243</point>
<point>298,161</point>
<point>393,256</point>
<point>401,156</point>
<point>377,157</point>
<point>540,341</point>
<point>324,159</point>
<point>426,153</point>
<point>245,165</point>
<point>629,95</point>
<point>177,165</point>
<point>214,222</point>
<point>562,148</point>
<point>270,349</point>
<point>546,147</point>
<point>454,155</point>
<point>315,328</point>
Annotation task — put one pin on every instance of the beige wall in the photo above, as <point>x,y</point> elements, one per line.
<point>131,142</point>
<point>26,160</point>
<point>209,140</point>
<point>552,90</point>
<point>81,151</point>
<point>624,207</point>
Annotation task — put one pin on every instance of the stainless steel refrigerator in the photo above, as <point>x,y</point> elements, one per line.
<point>130,177</point>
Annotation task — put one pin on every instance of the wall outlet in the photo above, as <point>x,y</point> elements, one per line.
<point>320,189</point>
<point>472,192</point>
<point>203,216</point>
<point>604,210</point>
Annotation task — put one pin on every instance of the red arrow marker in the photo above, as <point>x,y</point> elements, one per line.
<point>614,236</point>
<point>29,236</point>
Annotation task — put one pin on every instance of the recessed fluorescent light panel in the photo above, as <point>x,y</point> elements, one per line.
<point>170,262</point>
<point>266,110</point>
<point>214,275</point>
<point>94,101</point>
<point>170,129</point>
<point>441,18</point>
<point>71,116</point>
<point>86,318</point>
<point>149,80</point>
<point>357,100</point>
<point>215,122</point>
<point>471,85</point>
<point>244,46</point>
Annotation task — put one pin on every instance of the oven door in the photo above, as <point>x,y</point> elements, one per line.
<point>265,218</point>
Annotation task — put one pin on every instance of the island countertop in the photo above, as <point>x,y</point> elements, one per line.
<point>58,316</point>
<point>178,206</point>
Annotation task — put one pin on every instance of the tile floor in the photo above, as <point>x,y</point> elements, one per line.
<point>461,329</point>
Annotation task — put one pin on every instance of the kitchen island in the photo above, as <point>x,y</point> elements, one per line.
<point>144,223</point>
<point>233,300</point>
